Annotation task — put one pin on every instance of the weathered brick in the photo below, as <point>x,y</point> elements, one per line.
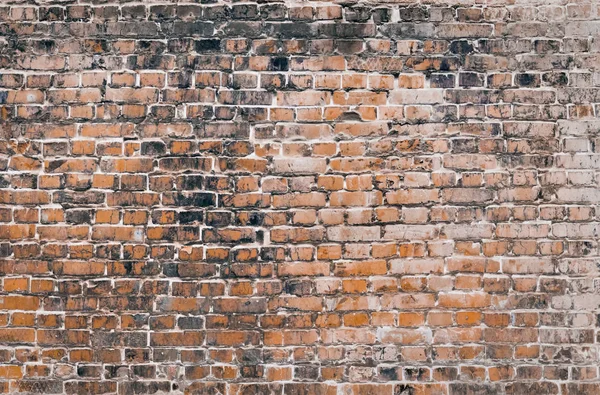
<point>305,198</point>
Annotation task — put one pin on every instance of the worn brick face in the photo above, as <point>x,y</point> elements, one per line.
<point>318,198</point>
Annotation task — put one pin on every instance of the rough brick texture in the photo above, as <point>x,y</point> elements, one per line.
<point>389,198</point>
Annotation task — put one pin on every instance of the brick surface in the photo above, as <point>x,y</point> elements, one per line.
<point>277,197</point>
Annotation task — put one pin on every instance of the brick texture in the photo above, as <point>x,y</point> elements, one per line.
<point>389,197</point>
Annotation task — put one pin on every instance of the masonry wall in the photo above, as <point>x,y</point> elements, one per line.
<point>299,198</point>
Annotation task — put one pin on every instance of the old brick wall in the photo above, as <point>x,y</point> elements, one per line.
<point>299,197</point>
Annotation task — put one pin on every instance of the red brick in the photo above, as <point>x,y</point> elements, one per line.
<point>303,198</point>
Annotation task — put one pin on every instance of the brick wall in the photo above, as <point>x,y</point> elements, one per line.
<point>299,198</point>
